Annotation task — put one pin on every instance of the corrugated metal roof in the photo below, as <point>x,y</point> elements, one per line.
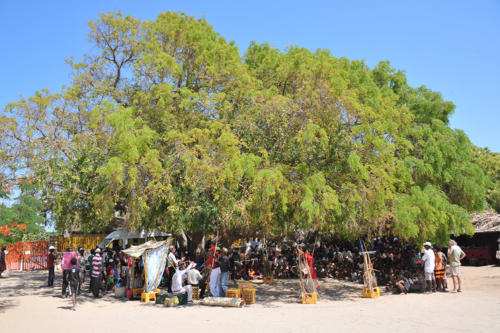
<point>486,221</point>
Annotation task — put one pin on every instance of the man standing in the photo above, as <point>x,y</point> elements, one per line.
<point>172,264</point>
<point>224,272</point>
<point>455,254</point>
<point>96,274</point>
<point>51,258</point>
<point>65,266</point>
<point>3,266</point>
<point>215,271</point>
<point>429,264</point>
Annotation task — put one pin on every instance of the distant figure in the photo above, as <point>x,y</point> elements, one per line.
<point>455,254</point>
<point>96,274</point>
<point>195,279</point>
<point>429,266</point>
<point>179,277</point>
<point>51,258</point>
<point>439,269</point>
<point>224,272</point>
<point>172,264</point>
<point>215,272</point>
<point>81,259</point>
<point>74,281</point>
<point>3,266</point>
<point>65,266</point>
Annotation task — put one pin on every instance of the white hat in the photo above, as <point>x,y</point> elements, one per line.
<point>98,250</point>
<point>51,247</point>
<point>428,244</point>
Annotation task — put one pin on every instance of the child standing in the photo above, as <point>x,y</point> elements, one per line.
<point>74,281</point>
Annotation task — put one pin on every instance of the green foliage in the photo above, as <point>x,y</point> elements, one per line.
<point>166,126</point>
<point>490,164</point>
<point>24,218</point>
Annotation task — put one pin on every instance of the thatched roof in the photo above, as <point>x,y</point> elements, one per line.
<point>486,221</point>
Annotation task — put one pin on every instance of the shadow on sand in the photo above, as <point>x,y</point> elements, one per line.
<point>281,291</point>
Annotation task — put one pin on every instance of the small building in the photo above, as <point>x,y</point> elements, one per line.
<point>482,247</point>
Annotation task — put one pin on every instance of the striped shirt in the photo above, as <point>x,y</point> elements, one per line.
<point>96,265</point>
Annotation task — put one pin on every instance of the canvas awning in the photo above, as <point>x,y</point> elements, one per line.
<point>138,250</point>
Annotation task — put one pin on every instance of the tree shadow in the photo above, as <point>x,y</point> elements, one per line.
<point>281,291</point>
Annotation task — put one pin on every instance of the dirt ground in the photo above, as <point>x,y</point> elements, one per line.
<point>26,305</point>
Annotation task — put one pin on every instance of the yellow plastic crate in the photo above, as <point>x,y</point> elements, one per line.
<point>173,301</point>
<point>146,297</point>
<point>245,285</point>
<point>137,291</point>
<point>248,295</point>
<point>367,293</point>
<point>233,293</point>
<point>310,298</point>
<point>268,279</point>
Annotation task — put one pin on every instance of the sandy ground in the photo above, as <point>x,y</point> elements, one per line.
<point>26,305</point>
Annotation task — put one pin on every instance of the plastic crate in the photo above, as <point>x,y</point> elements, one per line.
<point>137,292</point>
<point>248,295</point>
<point>268,279</point>
<point>245,285</point>
<point>160,298</point>
<point>171,301</point>
<point>367,293</point>
<point>310,298</point>
<point>146,297</point>
<point>233,293</point>
<point>196,293</point>
<point>183,298</point>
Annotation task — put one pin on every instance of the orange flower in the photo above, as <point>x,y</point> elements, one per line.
<point>6,232</point>
<point>13,224</point>
<point>23,226</point>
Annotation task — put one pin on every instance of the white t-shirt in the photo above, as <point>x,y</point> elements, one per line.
<point>172,260</point>
<point>429,260</point>
<point>179,277</point>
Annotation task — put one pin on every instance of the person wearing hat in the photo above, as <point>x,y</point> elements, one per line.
<point>178,279</point>
<point>429,264</point>
<point>51,258</point>
<point>96,275</point>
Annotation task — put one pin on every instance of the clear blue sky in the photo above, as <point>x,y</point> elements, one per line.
<point>450,46</point>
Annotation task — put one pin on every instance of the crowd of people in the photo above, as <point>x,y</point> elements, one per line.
<point>398,265</point>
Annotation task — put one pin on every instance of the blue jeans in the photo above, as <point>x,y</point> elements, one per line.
<point>224,280</point>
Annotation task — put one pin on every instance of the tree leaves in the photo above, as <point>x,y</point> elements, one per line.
<point>166,126</point>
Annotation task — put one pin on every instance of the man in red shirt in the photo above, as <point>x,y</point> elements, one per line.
<point>51,258</point>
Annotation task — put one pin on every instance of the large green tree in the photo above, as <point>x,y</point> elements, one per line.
<point>166,126</point>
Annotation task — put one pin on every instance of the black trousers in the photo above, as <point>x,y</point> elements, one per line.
<point>95,283</point>
<point>65,282</point>
<point>51,276</point>
<point>171,272</point>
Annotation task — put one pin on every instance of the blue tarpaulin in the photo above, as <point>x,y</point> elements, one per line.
<point>156,261</point>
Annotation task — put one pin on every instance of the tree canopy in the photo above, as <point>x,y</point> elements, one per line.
<point>167,126</point>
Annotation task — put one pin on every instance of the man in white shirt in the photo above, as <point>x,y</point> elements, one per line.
<point>179,277</point>
<point>172,264</point>
<point>194,278</point>
<point>429,265</point>
<point>455,254</point>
